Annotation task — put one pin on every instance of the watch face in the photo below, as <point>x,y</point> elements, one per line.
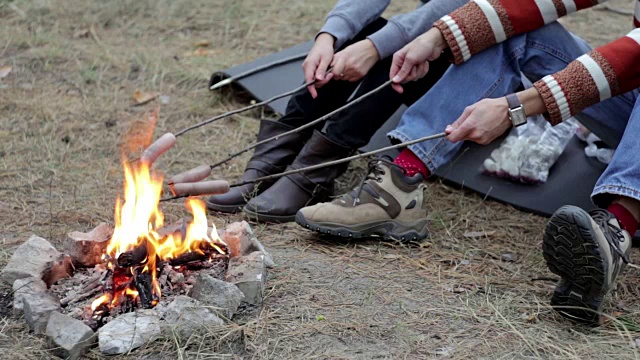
<point>518,116</point>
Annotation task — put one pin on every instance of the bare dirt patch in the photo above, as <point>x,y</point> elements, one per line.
<point>68,100</point>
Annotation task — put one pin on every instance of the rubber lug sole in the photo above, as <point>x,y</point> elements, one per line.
<point>226,209</point>
<point>387,230</point>
<point>572,252</point>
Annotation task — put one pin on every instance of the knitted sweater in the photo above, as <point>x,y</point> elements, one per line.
<point>607,71</point>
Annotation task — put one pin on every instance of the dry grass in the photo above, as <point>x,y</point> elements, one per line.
<point>67,103</point>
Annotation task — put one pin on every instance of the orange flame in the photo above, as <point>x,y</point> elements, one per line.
<point>137,219</point>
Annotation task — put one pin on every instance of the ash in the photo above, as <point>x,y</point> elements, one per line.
<point>78,292</point>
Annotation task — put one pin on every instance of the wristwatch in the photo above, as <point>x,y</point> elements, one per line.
<point>516,110</point>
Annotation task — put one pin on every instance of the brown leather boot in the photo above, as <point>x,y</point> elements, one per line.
<point>282,200</point>
<point>269,158</point>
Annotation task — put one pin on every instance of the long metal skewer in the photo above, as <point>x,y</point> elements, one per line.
<point>231,79</point>
<point>330,163</point>
<point>246,108</point>
<point>300,128</point>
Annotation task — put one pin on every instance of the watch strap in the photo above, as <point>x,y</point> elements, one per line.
<point>513,101</point>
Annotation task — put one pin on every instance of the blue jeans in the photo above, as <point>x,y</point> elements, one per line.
<point>496,72</point>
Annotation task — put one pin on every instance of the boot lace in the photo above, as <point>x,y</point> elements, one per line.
<point>374,173</point>
<point>611,233</point>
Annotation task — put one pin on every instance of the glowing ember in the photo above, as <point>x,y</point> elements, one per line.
<point>137,243</point>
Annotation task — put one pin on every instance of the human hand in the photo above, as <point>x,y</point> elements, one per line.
<point>412,61</point>
<point>354,62</point>
<point>481,122</point>
<point>315,65</point>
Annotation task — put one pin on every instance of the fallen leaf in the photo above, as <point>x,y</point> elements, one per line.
<point>4,71</point>
<point>201,43</point>
<point>143,97</point>
<point>200,52</point>
<point>83,33</point>
<point>478,234</point>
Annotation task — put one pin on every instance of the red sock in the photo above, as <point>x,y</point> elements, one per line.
<point>625,218</point>
<point>411,163</point>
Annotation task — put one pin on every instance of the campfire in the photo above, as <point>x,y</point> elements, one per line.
<point>140,249</point>
<point>124,285</point>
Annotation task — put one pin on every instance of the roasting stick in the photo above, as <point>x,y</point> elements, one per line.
<point>246,108</point>
<point>330,163</point>
<point>168,140</point>
<point>231,79</point>
<point>201,172</point>
<point>305,126</point>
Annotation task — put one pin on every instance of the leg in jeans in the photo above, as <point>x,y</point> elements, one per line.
<point>622,176</point>
<point>493,73</point>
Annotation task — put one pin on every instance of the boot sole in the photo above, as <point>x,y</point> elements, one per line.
<point>572,251</point>
<point>227,209</point>
<point>387,229</point>
<point>265,218</point>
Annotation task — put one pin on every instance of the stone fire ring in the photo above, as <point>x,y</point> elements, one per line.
<point>37,265</point>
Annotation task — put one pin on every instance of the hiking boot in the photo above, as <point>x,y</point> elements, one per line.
<point>387,204</point>
<point>588,250</point>
<point>290,193</point>
<point>269,158</point>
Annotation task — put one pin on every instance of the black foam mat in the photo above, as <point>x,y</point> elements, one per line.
<point>570,180</point>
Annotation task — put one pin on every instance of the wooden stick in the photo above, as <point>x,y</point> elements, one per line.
<point>87,294</point>
<point>330,163</point>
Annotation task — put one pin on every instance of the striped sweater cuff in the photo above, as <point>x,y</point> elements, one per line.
<point>554,99</point>
<point>454,38</point>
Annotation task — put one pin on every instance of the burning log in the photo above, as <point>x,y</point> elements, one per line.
<point>144,284</point>
<point>133,257</point>
<point>206,253</point>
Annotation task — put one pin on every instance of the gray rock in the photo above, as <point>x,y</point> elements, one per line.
<point>37,309</point>
<point>70,337</point>
<point>507,257</point>
<point>128,331</point>
<point>25,286</point>
<point>224,297</point>
<point>257,246</point>
<point>86,249</point>
<point>249,274</point>
<point>186,316</point>
<point>30,259</point>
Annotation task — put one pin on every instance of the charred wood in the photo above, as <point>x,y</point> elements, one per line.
<point>133,257</point>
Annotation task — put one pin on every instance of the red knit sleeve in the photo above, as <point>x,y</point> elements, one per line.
<point>605,72</point>
<point>481,24</point>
